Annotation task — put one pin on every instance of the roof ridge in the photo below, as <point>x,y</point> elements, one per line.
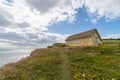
<point>84,31</point>
<point>82,34</point>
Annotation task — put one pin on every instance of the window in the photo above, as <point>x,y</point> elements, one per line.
<point>76,41</point>
<point>85,40</point>
<point>97,40</point>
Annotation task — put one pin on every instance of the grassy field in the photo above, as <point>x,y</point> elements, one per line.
<point>65,63</point>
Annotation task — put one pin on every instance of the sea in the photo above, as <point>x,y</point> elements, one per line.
<point>8,57</point>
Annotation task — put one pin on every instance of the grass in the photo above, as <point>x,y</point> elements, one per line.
<point>64,63</point>
<point>94,67</point>
<point>43,67</point>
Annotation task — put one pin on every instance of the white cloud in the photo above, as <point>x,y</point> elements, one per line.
<point>109,9</point>
<point>26,25</point>
<point>25,22</point>
<point>114,36</point>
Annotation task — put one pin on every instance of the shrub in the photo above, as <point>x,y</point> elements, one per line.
<point>59,44</point>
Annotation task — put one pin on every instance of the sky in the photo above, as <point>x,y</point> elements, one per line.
<point>30,24</point>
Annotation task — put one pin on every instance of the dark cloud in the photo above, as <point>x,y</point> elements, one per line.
<point>30,39</point>
<point>32,42</point>
<point>11,36</point>
<point>10,1</point>
<point>32,35</point>
<point>17,27</point>
<point>42,5</point>
<point>23,44</point>
<point>5,18</point>
<point>4,21</point>
<point>23,24</point>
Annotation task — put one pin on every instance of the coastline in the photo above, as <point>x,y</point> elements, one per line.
<point>13,58</point>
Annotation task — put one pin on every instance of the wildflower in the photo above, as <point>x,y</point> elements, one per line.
<point>83,75</point>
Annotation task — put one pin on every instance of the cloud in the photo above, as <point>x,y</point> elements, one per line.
<point>42,5</point>
<point>3,20</point>
<point>114,36</point>
<point>11,36</point>
<point>25,22</point>
<point>10,1</point>
<point>109,9</point>
<point>29,40</point>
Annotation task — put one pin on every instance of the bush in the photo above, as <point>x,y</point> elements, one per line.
<point>59,44</point>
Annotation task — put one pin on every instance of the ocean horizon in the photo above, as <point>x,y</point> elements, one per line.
<point>9,57</point>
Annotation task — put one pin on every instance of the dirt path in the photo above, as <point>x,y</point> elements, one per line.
<point>65,72</point>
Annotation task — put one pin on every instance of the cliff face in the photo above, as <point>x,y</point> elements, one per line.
<point>64,63</point>
<point>37,52</point>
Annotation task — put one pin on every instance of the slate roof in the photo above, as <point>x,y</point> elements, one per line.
<point>83,35</point>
